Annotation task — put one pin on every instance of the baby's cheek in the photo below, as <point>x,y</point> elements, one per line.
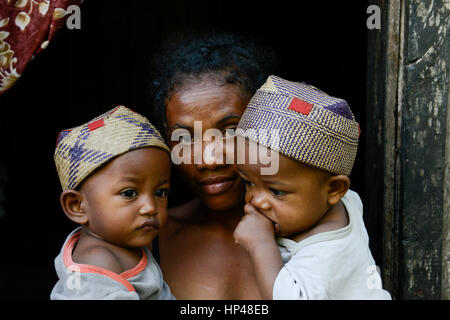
<point>248,195</point>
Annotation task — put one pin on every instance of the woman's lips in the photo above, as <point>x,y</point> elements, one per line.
<point>216,185</point>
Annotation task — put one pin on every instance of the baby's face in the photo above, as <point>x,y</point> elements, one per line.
<point>295,198</point>
<point>126,200</point>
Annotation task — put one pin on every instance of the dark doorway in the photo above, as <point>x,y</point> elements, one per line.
<point>88,71</point>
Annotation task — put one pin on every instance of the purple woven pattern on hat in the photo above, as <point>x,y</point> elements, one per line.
<point>145,133</point>
<point>317,133</point>
<point>79,153</point>
<point>76,154</point>
<point>84,148</point>
<point>299,141</point>
<point>341,108</point>
<point>62,135</point>
<point>313,95</point>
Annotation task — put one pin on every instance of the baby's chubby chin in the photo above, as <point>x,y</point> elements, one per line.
<point>144,240</point>
<point>141,236</point>
<point>147,231</point>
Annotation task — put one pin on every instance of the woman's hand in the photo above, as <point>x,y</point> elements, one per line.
<point>254,229</point>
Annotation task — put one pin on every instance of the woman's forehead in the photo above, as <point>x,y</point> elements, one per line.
<point>205,102</point>
<point>205,90</point>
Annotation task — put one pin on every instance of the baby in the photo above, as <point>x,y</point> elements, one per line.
<point>321,250</point>
<point>115,174</point>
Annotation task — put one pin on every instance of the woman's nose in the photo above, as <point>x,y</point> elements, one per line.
<point>212,155</point>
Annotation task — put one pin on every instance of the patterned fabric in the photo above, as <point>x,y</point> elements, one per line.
<point>309,125</point>
<point>81,150</point>
<point>26,27</point>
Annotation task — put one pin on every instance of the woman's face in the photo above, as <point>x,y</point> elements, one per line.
<point>217,106</point>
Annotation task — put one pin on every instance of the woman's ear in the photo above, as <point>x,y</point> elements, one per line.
<point>338,187</point>
<point>72,205</point>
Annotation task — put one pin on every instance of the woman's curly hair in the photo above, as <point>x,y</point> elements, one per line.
<point>231,58</point>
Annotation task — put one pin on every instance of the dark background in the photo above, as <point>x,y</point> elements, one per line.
<point>86,72</point>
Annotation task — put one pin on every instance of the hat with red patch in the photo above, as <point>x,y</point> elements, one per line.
<point>80,150</point>
<point>304,123</point>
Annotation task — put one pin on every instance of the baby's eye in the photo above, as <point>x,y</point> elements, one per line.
<point>130,193</point>
<point>162,193</point>
<point>277,193</point>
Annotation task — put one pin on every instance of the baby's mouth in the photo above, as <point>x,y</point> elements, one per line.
<point>276,226</point>
<point>149,224</point>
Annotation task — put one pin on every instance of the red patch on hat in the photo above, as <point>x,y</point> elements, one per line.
<point>96,124</point>
<point>300,106</point>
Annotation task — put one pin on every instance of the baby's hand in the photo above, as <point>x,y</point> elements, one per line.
<point>253,229</point>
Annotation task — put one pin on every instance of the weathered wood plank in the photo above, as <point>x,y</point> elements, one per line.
<point>446,220</point>
<point>381,123</point>
<point>408,131</point>
<point>423,125</point>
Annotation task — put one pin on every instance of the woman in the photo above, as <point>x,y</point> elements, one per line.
<point>207,78</point>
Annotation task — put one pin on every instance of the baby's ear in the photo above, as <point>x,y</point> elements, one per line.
<point>338,187</point>
<point>72,205</point>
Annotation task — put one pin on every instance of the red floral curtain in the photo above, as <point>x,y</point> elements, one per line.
<point>26,27</point>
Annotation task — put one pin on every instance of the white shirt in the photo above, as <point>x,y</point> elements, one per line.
<point>335,264</point>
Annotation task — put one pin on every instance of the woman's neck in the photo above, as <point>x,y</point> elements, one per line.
<point>196,213</point>
<point>228,218</point>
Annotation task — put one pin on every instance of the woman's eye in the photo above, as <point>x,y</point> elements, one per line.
<point>230,131</point>
<point>162,193</point>
<point>277,193</point>
<point>186,139</point>
<point>130,193</point>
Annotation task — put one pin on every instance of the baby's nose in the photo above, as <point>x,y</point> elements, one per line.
<point>148,208</point>
<point>259,201</point>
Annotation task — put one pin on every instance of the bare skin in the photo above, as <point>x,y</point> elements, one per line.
<point>297,202</point>
<point>199,257</point>
<point>121,208</point>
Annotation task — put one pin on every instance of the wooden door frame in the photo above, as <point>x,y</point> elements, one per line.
<point>415,261</point>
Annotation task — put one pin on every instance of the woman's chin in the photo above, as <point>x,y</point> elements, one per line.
<point>232,199</point>
<point>221,204</point>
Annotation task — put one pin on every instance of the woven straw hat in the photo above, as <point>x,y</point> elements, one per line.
<point>80,150</point>
<point>313,127</point>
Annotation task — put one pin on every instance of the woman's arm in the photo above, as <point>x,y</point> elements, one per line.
<point>256,234</point>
